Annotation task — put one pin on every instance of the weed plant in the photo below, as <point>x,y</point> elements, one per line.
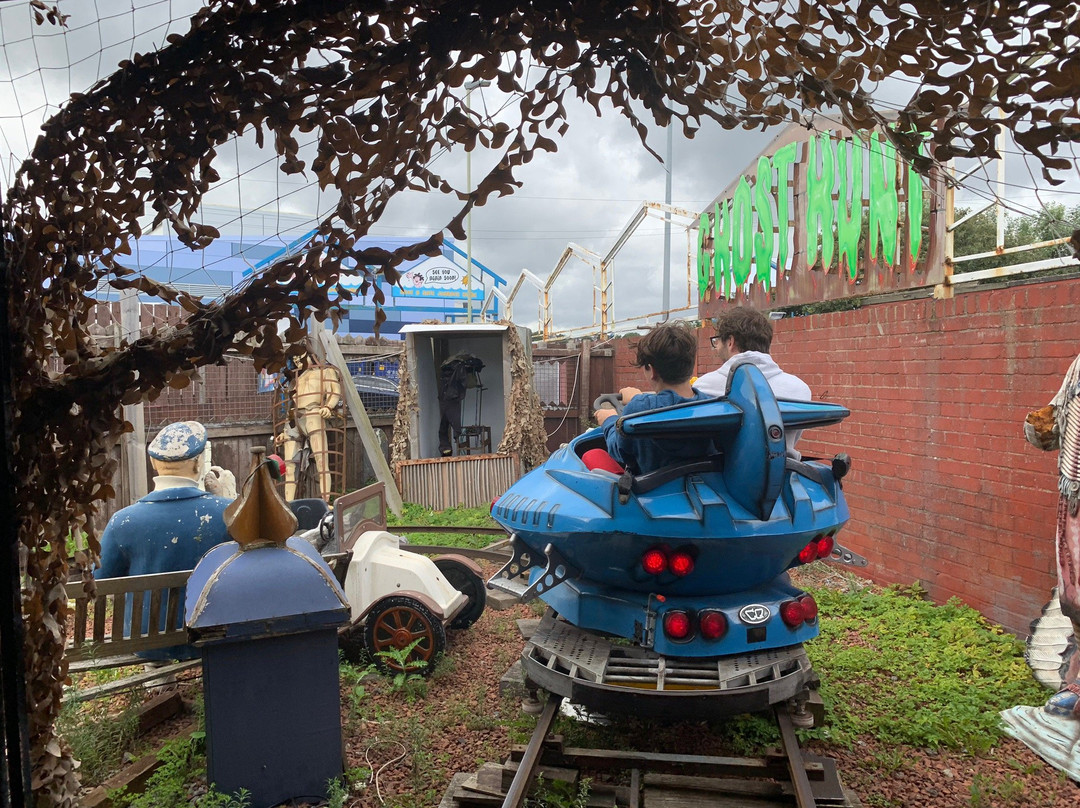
<point>97,738</point>
<point>172,784</point>
<point>405,680</point>
<point>559,794</point>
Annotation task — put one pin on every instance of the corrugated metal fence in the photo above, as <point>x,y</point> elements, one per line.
<point>447,482</point>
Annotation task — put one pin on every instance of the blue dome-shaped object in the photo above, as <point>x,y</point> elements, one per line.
<point>269,590</point>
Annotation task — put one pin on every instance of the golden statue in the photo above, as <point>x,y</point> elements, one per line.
<point>316,394</point>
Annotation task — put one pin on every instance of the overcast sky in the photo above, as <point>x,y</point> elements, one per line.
<point>585,193</point>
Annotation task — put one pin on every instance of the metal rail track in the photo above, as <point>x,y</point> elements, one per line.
<point>530,761</point>
<point>478,531</point>
<point>811,782</point>
<point>497,551</point>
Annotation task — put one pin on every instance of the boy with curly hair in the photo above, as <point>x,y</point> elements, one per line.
<point>667,355</point>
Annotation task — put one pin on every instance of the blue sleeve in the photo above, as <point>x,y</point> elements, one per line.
<point>619,446</point>
<point>611,437</point>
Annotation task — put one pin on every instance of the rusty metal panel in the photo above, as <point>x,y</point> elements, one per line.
<point>448,482</point>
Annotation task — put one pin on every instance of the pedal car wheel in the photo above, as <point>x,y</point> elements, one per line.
<point>351,644</point>
<point>470,584</point>
<point>393,625</point>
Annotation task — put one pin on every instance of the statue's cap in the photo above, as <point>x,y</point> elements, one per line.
<point>180,441</point>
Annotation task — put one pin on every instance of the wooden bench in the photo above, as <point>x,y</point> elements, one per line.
<point>99,639</point>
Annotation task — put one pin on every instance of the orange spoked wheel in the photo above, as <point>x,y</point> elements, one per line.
<point>403,636</point>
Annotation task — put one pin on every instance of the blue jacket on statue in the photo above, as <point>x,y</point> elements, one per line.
<point>166,531</point>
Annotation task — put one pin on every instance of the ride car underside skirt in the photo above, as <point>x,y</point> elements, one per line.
<point>606,676</point>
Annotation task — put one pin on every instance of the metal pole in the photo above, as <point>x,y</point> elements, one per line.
<point>468,219</point>
<point>133,444</point>
<point>666,297</point>
<point>999,205</point>
<point>469,87</point>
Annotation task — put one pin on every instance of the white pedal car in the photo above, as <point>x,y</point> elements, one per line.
<point>399,599</point>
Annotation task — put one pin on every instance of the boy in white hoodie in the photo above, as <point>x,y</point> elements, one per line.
<point>744,334</point>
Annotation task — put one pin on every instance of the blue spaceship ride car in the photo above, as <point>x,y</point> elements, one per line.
<point>672,587</point>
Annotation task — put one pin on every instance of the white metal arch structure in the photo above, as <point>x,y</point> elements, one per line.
<point>996,201</point>
<point>607,278</point>
<point>604,267</point>
<point>590,258</point>
<point>508,299</point>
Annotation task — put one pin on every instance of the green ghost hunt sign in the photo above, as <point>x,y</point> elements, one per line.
<point>826,203</point>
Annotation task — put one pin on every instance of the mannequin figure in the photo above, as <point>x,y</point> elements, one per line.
<point>170,528</point>
<point>1057,426</point>
<point>455,375</point>
<point>316,395</point>
<point>1052,731</point>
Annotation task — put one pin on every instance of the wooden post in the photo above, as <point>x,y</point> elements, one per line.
<point>585,396</point>
<point>409,360</point>
<point>133,444</point>
<point>334,356</point>
<point>944,290</point>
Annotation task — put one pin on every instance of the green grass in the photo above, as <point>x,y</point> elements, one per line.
<point>902,670</point>
<point>412,514</point>
<point>183,762</point>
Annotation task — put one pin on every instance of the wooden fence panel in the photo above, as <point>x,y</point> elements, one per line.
<point>563,393</point>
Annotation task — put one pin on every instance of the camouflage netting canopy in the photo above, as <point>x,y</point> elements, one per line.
<point>378,87</point>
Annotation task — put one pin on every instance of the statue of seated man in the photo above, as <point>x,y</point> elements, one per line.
<point>170,528</point>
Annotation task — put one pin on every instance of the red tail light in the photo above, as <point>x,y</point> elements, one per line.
<point>793,613</point>
<point>682,563</point>
<point>818,547</point>
<point>677,625</point>
<point>808,553</point>
<point>654,561</point>
<point>809,607</point>
<point>824,546</point>
<point>492,508</point>
<point>713,625</point>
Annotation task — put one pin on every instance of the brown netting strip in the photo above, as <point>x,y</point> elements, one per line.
<point>525,432</point>
<point>407,404</point>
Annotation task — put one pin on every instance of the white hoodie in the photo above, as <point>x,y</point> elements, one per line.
<point>784,385</point>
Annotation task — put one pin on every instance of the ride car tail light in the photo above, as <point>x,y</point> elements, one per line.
<point>809,607</point>
<point>677,624</point>
<point>654,561</point>
<point>809,552</point>
<point>713,625</point>
<point>793,613</point>
<point>824,546</point>
<point>682,563</point>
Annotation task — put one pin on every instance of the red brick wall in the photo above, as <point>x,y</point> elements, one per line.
<point>944,489</point>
